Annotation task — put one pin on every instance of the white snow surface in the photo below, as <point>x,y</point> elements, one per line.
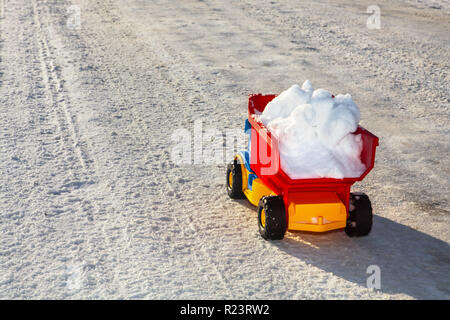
<point>315,133</point>
<point>92,207</point>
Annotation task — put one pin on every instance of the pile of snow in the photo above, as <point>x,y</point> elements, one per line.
<point>315,133</point>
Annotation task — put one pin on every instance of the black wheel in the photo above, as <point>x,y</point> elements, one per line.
<point>359,222</point>
<point>272,218</point>
<point>234,180</point>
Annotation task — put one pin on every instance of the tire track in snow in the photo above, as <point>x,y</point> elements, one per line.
<point>77,160</point>
<point>44,160</point>
<point>54,90</point>
<point>75,143</point>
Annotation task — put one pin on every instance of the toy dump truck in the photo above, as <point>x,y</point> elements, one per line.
<point>315,205</point>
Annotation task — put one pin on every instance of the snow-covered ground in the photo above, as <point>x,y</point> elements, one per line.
<point>91,205</point>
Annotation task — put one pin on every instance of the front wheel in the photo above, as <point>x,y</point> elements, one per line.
<point>234,180</point>
<point>359,222</point>
<point>272,218</point>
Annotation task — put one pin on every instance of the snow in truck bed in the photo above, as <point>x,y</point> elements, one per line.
<point>315,132</point>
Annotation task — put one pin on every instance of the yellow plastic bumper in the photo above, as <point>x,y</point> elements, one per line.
<point>316,211</point>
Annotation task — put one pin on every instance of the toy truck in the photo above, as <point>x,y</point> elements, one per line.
<point>315,205</point>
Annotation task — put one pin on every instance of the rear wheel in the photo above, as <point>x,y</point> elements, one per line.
<point>359,222</point>
<point>234,180</point>
<point>272,218</point>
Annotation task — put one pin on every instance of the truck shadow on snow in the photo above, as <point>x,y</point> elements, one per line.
<point>411,262</point>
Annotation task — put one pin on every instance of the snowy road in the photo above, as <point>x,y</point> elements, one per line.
<point>91,205</point>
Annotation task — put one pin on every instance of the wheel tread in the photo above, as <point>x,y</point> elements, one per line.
<point>275,226</point>
<point>361,215</point>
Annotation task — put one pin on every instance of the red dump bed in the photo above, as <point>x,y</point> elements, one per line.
<point>265,157</point>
